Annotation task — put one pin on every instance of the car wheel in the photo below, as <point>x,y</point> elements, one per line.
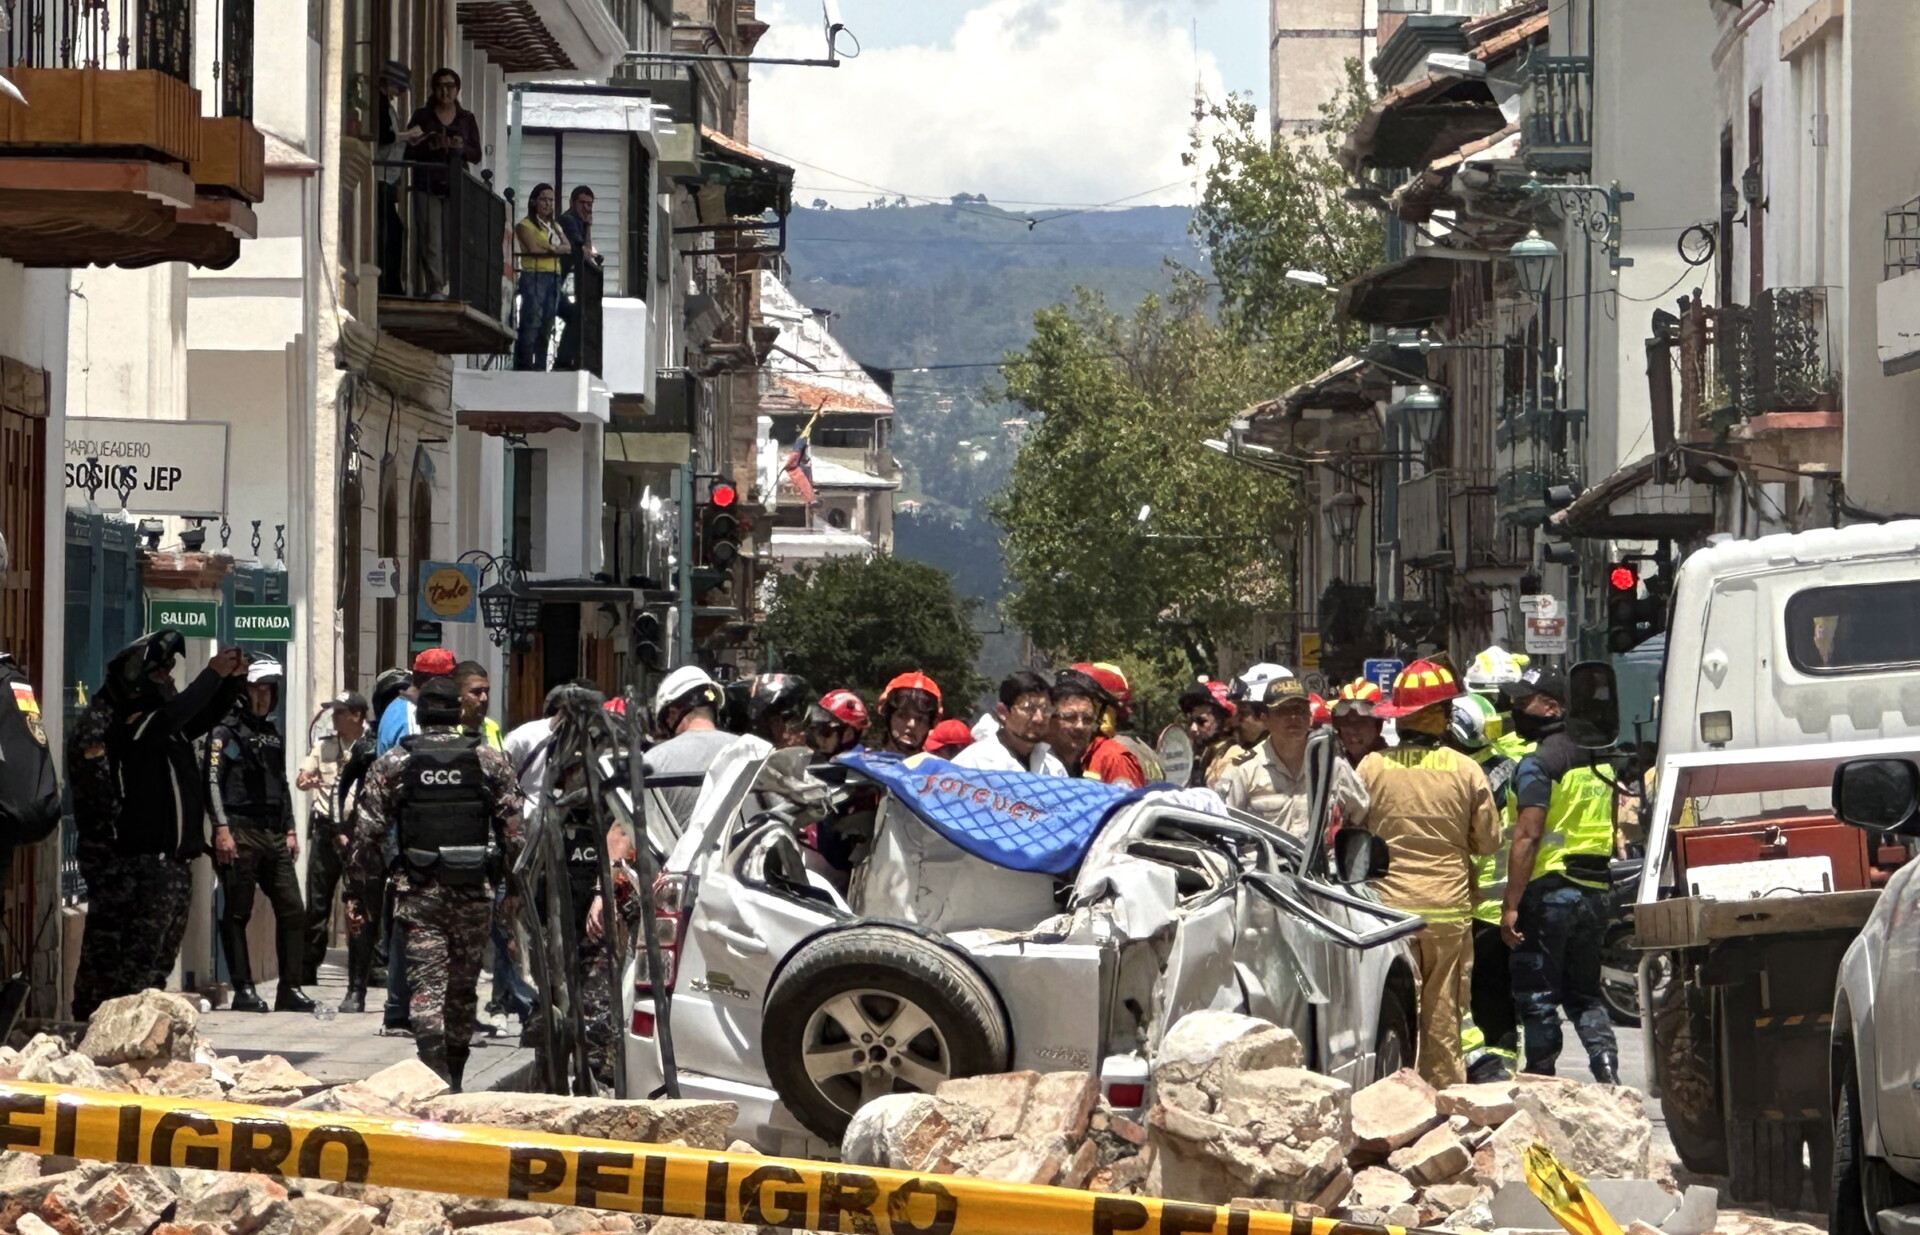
<point>1619,984</point>
<point>1393,1042</point>
<point>875,1010</point>
<point>1686,1062</point>
<point>1861,1187</point>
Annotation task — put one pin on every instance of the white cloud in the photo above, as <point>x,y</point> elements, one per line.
<point>1034,100</point>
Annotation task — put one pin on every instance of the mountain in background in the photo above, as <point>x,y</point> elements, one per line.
<point>913,287</point>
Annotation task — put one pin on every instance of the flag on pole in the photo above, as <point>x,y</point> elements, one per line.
<point>799,465</point>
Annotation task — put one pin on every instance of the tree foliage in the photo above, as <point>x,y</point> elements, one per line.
<point>1121,404</point>
<point>857,622</point>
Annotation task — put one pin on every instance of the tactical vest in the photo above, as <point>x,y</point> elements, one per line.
<point>583,862</point>
<point>259,793</point>
<point>1578,842</point>
<point>1501,760</point>
<point>444,813</point>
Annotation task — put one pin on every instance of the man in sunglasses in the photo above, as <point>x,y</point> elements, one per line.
<point>1271,780</point>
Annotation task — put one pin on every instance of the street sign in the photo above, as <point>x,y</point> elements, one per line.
<point>426,635</point>
<point>1546,636</point>
<point>1540,606</point>
<point>1309,649</point>
<point>383,581</point>
<point>1382,672</point>
<point>446,592</point>
<point>263,623</point>
<point>196,619</point>
<point>165,467</point>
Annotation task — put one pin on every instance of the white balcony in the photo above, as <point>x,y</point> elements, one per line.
<point>510,401</point>
<point>626,352</point>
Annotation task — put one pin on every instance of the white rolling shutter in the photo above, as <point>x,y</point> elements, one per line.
<point>536,167</point>
<point>599,161</point>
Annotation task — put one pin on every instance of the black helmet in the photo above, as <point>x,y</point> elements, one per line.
<point>127,682</point>
<point>388,687</point>
<point>777,694</point>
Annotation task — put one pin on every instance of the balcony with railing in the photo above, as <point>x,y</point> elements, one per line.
<point>1556,123</point>
<point>451,292</point>
<point>552,379</point>
<point>110,161</point>
<point>1897,299</point>
<point>1775,392</point>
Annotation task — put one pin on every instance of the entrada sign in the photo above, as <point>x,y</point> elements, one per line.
<point>263,623</point>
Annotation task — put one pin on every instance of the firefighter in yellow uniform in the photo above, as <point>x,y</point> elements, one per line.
<point>1432,807</point>
<point>1490,1032</point>
<point>1555,909</point>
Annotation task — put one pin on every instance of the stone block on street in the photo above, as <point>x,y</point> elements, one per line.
<point>1001,1098</point>
<point>1394,1112</point>
<point>1376,1187</point>
<point>1488,1105</point>
<point>909,1132</point>
<point>1596,1131</point>
<point>147,1029</point>
<point>698,1125</point>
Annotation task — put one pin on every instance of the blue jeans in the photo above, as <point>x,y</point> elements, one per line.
<point>510,990</point>
<point>539,305</point>
<point>1557,965</point>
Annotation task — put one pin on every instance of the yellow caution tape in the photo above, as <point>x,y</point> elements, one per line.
<point>1565,1195</point>
<point>658,1180</point>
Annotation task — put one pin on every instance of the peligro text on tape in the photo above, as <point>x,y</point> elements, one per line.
<point>658,1180</point>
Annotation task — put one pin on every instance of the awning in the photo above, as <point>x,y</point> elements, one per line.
<point>545,38</point>
<point>749,183</point>
<point>1630,504</point>
<point>1413,291</point>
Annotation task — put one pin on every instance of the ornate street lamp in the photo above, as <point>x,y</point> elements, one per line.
<point>1343,517</point>
<point>506,608</point>
<point>1424,410</point>
<point>1533,261</point>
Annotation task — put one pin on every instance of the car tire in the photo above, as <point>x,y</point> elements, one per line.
<point>1622,1000</point>
<point>841,991</point>
<point>1860,1187</point>
<point>1686,1064</point>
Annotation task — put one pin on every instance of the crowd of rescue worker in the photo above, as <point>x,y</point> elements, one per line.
<point>1499,832</point>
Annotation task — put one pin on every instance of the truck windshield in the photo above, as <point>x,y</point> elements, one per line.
<point>1859,628</point>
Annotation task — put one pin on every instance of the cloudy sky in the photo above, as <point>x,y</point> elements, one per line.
<point>1031,102</point>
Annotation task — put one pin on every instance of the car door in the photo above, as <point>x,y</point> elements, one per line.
<point>1896,976</point>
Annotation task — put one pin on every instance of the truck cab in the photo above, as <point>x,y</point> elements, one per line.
<point>1786,657</point>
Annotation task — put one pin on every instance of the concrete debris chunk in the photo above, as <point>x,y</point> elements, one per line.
<point>1433,1159</point>
<point>271,1081</point>
<point>181,1078</point>
<point>47,1061</point>
<point>910,1132</point>
<point>1596,1131</point>
<point>240,1205</point>
<point>1488,1105</point>
<point>1376,1187</point>
<point>145,1030</point>
<point>1394,1112</point>
<point>1000,1098</point>
<point>698,1125</point>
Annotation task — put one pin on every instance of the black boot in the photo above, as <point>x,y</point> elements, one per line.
<point>246,999</point>
<point>292,999</point>
<point>356,1000</point>
<point>456,1066</point>
<point>1606,1068</point>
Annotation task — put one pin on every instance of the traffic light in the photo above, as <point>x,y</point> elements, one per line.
<point>720,527</point>
<point>650,639</point>
<point>1636,608</point>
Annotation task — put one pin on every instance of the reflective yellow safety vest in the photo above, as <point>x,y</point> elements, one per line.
<point>1490,872</point>
<point>1579,823</point>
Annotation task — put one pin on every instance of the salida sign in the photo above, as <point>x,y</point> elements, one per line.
<point>152,467</point>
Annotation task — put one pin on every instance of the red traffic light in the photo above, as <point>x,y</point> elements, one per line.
<point>1624,579</point>
<point>724,495</point>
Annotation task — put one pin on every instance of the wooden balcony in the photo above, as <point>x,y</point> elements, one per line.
<point>117,167</point>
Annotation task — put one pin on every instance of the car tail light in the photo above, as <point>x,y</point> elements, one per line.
<point>669,895</point>
<point>1126,1095</point>
<point>642,1024</point>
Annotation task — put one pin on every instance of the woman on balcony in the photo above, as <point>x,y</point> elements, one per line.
<point>542,245</point>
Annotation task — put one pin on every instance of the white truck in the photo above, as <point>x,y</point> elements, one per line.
<point>1787,656</point>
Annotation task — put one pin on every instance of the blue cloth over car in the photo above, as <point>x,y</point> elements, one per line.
<point>1018,820</point>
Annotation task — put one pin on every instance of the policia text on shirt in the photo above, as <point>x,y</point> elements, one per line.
<point>663,1181</point>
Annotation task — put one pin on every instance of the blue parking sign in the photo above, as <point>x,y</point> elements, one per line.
<point>1382,672</point>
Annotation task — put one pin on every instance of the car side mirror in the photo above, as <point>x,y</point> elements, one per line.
<point>1593,705</point>
<point>1877,793</point>
<point>1358,857</point>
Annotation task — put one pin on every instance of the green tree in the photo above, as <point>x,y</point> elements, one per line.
<point>1122,406</point>
<point>857,622</point>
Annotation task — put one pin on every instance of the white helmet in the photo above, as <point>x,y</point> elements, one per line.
<point>265,669</point>
<point>686,681</point>
<point>1256,685</point>
<point>1493,669</point>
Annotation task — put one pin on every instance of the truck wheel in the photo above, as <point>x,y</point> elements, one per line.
<point>1766,1162</point>
<point>1686,1063</point>
<point>874,1010</point>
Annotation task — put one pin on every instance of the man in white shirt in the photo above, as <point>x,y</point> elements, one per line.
<point>1024,712</point>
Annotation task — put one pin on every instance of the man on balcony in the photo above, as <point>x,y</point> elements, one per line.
<point>584,263</point>
<point>438,136</point>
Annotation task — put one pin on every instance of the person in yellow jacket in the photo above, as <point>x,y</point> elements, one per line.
<point>1490,1032</point>
<point>1432,807</point>
<point>1555,909</point>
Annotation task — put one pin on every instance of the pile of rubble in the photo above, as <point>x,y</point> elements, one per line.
<point>148,1044</point>
<point>1239,1120</point>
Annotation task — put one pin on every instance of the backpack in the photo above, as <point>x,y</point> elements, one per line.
<point>29,791</point>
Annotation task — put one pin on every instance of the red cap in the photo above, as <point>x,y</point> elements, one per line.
<point>846,707</point>
<point>950,733</point>
<point>913,681</point>
<point>434,662</point>
<point>617,705</point>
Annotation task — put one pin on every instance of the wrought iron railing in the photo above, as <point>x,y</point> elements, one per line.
<point>1556,131</point>
<point>236,58</point>
<point>100,34</point>
<point>453,227</point>
<point>572,340</point>
<point>1902,253</point>
<point>1786,360</point>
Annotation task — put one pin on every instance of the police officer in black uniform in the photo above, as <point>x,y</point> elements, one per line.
<point>456,807</point>
<point>254,839</point>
